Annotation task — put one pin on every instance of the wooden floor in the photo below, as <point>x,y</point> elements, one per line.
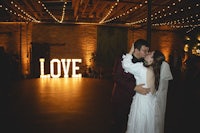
<point>72,105</point>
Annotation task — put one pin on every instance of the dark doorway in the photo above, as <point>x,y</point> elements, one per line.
<point>39,51</point>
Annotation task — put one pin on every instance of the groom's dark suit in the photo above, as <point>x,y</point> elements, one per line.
<point>123,91</point>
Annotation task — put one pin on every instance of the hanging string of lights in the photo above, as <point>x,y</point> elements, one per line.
<point>175,23</point>
<point>193,27</point>
<point>162,14</point>
<point>125,13</point>
<point>109,12</point>
<point>182,21</point>
<point>23,15</point>
<point>155,15</point>
<point>63,12</point>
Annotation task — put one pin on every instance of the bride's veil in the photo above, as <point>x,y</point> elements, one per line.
<point>165,76</point>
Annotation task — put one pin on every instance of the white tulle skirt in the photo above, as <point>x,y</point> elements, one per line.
<point>142,114</point>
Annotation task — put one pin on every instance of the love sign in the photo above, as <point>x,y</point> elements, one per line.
<point>64,63</point>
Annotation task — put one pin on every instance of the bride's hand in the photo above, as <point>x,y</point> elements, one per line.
<point>132,49</point>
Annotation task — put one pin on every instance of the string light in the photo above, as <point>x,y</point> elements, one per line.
<point>109,12</point>
<point>125,13</point>
<point>158,18</point>
<point>27,17</point>
<point>63,12</point>
<point>154,17</point>
<point>174,23</point>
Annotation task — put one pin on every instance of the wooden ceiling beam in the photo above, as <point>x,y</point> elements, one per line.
<point>30,6</point>
<point>75,6</point>
<point>94,7</point>
<point>102,9</point>
<point>86,2</point>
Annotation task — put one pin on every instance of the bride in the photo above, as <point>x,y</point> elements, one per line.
<point>147,111</point>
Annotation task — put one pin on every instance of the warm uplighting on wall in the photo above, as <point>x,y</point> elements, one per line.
<point>198,38</point>
<point>165,47</point>
<point>88,45</point>
<point>63,63</point>
<point>87,49</point>
<point>166,53</point>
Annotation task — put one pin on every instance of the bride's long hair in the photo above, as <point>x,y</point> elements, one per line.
<point>158,58</point>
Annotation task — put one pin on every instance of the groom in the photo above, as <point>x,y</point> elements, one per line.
<point>124,88</point>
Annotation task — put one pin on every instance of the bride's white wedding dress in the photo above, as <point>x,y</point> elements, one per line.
<point>146,113</point>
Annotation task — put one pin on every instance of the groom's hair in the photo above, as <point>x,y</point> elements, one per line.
<point>139,43</point>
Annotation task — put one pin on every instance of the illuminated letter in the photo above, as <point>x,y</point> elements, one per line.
<point>58,68</point>
<point>42,69</point>
<point>74,68</point>
<point>66,68</point>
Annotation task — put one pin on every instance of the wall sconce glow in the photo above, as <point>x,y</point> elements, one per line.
<point>187,38</point>
<point>198,49</point>
<point>198,38</point>
<point>186,47</point>
<point>65,64</point>
<point>194,50</point>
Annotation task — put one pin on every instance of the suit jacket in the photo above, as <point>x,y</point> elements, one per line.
<point>124,84</point>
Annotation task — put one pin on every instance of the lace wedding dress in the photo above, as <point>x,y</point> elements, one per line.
<point>147,111</point>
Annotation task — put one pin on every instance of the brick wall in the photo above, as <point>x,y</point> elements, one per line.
<point>15,40</point>
<point>78,41</point>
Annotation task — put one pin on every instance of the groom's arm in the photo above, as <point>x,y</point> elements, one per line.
<point>124,80</point>
<point>127,80</point>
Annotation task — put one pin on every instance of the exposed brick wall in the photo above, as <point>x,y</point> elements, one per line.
<point>80,41</point>
<point>75,41</point>
<point>15,39</point>
<point>68,41</point>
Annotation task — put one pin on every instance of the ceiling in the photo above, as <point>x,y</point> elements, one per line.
<point>183,14</point>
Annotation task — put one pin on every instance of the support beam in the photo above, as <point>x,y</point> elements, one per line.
<point>149,22</point>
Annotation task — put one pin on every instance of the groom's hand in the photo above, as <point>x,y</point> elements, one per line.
<point>140,89</point>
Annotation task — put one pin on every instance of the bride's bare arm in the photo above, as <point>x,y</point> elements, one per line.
<point>131,50</point>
